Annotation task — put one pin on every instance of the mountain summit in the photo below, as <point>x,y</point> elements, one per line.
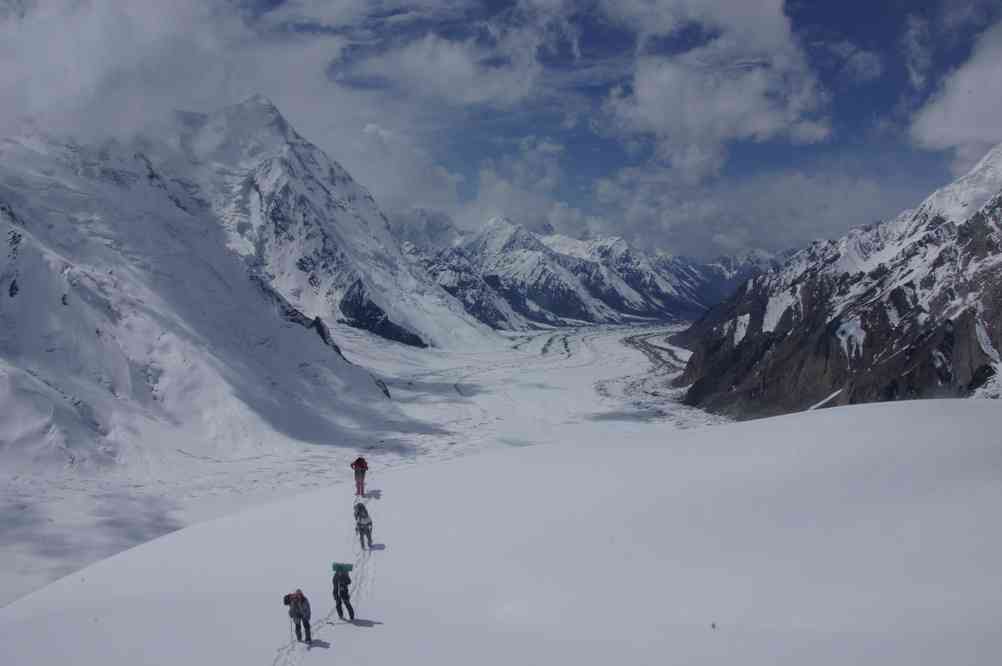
<point>512,278</point>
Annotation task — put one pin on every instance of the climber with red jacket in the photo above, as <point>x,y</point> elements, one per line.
<point>299,611</point>
<point>360,467</point>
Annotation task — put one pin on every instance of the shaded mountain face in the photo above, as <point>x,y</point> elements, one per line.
<point>130,327</point>
<point>511,278</point>
<point>306,227</point>
<point>909,308</point>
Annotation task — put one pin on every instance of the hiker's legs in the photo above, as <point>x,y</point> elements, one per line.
<point>337,605</point>
<point>306,628</point>
<point>347,603</point>
<point>360,483</point>
<point>368,536</point>
<point>299,632</point>
<point>361,537</point>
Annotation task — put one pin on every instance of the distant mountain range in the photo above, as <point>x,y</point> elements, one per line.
<point>908,308</point>
<point>511,278</point>
<point>193,278</point>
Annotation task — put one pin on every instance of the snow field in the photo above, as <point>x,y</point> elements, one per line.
<point>847,535</point>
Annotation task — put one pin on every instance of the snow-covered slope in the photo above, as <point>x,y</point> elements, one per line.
<point>542,284</point>
<point>144,338</point>
<point>865,542</point>
<point>910,307</point>
<point>512,278</point>
<point>308,228</point>
<point>123,318</point>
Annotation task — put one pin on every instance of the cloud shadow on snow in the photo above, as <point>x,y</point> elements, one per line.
<point>115,522</point>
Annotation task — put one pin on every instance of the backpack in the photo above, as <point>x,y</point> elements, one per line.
<point>362,515</point>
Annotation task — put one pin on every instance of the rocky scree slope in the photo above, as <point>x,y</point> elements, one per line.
<point>908,308</point>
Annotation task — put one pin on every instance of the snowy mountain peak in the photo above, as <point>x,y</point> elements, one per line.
<point>249,130</point>
<point>609,247</point>
<point>501,235</point>
<point>962,198</point>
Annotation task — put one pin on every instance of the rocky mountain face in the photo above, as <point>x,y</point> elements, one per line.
<point>908,308</point>
<point>511,278</point>
<point>302,223</point>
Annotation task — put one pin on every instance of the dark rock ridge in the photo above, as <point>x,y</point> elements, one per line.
<point>909,308</point>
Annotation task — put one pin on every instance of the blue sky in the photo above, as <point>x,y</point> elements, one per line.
<point>698,126</point>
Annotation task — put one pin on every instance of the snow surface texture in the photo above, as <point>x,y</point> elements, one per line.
<point>57,518</point>
<point>135,354</point>
<point>868,541</point>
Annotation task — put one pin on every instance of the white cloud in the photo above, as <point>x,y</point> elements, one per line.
<point>459,72</point>
<point>858,64</point>
<point>498,65</point>
<point>965,113</point>
<point>337,13</point>
<point>917,46</point>
<point>750,82</point>
<point>695,104</point>
<point>102,67</point>
<point>761,25</point>
<point>525,187</point>
<point>774,210</point>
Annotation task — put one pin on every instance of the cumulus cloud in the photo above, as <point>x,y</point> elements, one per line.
<point>774,210</point>
<point>101,61</point>
<point>102,67</point>
<point>387,86</point>
<point>965,113</point>
<point>340,13</point>
<point>497,65</point>
<point>525,186</point>
<point>459,72</point>
<point>858,64</point>
<point>761,24</point>
<point>749,82</point>
<point>694,105</point>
